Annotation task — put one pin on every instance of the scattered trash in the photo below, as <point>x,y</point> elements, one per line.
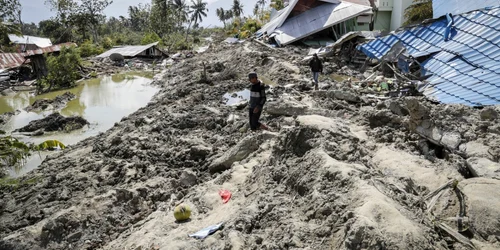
<point>202,49</point>
<point>225,195</point>
<point>205,232</point>
<point>232,40</point>
<point>182,212</point>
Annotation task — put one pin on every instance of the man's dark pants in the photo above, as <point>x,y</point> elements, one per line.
<point>254,119</point>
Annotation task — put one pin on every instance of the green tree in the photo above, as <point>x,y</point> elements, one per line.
<point>149,38</point>
<point>277,4</point>
<point>82,16</point>
<point>9,13</point>
<point>63,70</point>
<point>30,29</point>
<point>256,10</point>
<point>139,17</point>
<point>55,31</point>
<point>162,17</point>
<point>91,12</point>
<point>182,12</point>
<point>199,10</point>
<point>237,8</point>
<point>262,4</point>
<point>62,25</point>
<point>220,12</point>
<point>419,11</point>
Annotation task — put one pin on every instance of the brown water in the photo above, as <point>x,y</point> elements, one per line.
<point>103,102</point>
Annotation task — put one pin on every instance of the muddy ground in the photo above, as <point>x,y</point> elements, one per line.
<point>339,171</point>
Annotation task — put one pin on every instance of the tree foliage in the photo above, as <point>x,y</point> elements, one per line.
<point>277,4</point>
<point>419,11</point>
<point>13,153</point>
<point>9,13</point>
<point>139,17</point>
<point>237,8</point>
<point>198,11</point>
<point>63,69</point>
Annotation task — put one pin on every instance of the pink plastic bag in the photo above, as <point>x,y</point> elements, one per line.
<point>225,195</point>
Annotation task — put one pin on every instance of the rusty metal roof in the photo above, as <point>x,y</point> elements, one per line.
<point>11,60</point>
<point>14,60</point>
<point>51,49</point>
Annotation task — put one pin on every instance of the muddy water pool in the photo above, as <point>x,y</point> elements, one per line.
<point>103,102</point>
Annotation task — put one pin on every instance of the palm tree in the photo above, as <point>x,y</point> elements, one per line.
<point>262,3</point>
<point>181,11</point>
<point>221,14</point>
<point>228,15</point>
<point>199,10</point>
<point>237,8</point>
<point>256,10</point>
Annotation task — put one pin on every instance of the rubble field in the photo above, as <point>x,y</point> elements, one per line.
<point>339,170</point>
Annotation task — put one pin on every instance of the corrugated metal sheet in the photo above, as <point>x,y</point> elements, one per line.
<point>455,7</point>
<point>464,69</point>
<point>127,51</point>
<point>14,60</point>
<point>316,20</point>
<point>38,41</point>
<point>282,15</point>
<point>51,49</point>
<point>11,60</point>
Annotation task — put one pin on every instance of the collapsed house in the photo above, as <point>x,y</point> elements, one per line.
<point>328,20</point>
<point>303,18</point>
<point>143,51</point>
<point>35,58</point>
<point>24,43</point>
<point>456,54</point>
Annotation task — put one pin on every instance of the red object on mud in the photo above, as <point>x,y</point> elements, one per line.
<point>225,195</point>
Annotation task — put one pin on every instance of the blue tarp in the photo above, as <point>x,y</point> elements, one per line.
<point>465,68</point>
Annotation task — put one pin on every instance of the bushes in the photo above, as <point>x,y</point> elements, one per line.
<point>149,38</point>
<point>107,43</point>
<point>176,41</point>
<point>88,49</point>
<point>62,69</point>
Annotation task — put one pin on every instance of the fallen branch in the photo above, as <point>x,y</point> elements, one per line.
<point>457,236</point>
<point>435,192</point>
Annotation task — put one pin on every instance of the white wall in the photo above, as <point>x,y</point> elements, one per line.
<point>398,13</point>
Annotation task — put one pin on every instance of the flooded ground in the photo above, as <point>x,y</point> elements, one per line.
<point>236,97</point>
<point>103,102</point>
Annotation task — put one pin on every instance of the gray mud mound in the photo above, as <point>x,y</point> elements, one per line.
<point>338,171</point>
<point>55,122</point>
<point>5,117</point>
<point>57,103</point>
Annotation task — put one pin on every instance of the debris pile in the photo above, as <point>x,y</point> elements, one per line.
<point>48,104</point>
<point>54,122</point>
<point>340,171</point>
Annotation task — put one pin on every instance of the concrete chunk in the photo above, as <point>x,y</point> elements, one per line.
<point>482,167</point>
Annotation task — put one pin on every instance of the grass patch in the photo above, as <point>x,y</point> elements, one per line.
<point>15,183</point>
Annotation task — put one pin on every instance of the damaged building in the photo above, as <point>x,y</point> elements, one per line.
<point>143,51</point>
<point>322,22</point>
<point>24,43</point>
<point>456,54</point>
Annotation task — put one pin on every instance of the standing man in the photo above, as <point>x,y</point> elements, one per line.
<point>257,101</point>
<point>316,68</point>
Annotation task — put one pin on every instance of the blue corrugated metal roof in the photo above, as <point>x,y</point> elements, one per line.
<point>463,69</point>
<point>441,7</point>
